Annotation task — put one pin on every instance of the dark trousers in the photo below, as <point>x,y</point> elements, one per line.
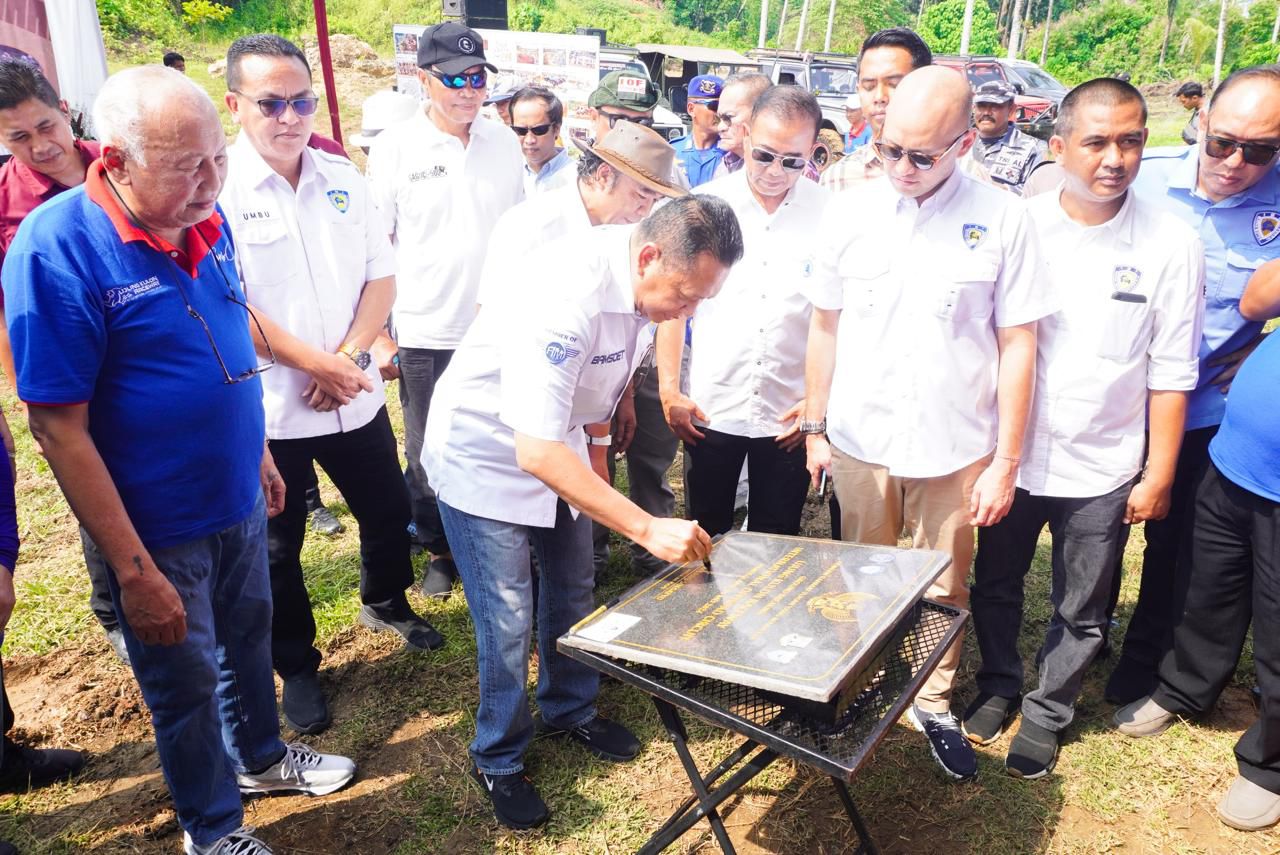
<point>778,484</point>
<point>420,370</point>
<point>1234,579</point>
<point>1164,561</point>
<point>99,591</point>
<point>1085,533</point>
<point>364,466</point>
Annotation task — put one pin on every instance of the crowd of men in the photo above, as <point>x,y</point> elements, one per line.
<point>967,353</point>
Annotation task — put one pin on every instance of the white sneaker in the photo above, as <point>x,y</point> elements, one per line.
<point>239,842</point>
<point>300,770</point>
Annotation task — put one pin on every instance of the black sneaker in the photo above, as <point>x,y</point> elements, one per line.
<point>516,803</point>
<point>28,768</point>
<point>1033,752</point>
<point>606,739</point>
<point>416,631</point>
<point>305,707</point>
<point>437,579</point>
<point>946,742</point>
<point>987,717</point>
<point>324,522</point>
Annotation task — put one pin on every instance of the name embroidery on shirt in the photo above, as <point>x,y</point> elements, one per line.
<point>437,171</point>
<point>340,199</point>
<point>1266,225</point>
<point>608,358</point>
<point>248,216</point>
<point>117,297</point>
<point>973,234</point>
<point>558,353</point>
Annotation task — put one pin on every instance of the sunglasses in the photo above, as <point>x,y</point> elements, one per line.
<point>614,118</point>
<point>477,80</point>
<point>789,162</point>
<point>920,160</point>
<point>1255,154</point>
<point>713,106</point>
<point>273,108</point>
<point>536,130</point>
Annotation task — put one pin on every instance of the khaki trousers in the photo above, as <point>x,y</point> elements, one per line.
<point>876,507</point>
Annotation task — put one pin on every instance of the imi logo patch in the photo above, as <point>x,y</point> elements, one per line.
<point>117,297</point>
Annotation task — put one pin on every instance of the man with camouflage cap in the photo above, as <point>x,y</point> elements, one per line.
<point>1008,154</point>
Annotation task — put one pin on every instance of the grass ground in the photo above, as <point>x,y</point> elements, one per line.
<point>407,718</point>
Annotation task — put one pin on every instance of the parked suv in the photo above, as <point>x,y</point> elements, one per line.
<point>832,77</point>
<point>1037,89</point>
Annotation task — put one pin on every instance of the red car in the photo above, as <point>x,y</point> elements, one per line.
<point>980,69</point>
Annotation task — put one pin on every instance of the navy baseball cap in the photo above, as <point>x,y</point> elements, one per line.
<point>451,49</point>
<point>705,86</point>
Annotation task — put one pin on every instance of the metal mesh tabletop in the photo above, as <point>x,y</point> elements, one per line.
<point>837,750</point>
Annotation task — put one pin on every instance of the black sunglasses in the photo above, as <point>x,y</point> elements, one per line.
<point>713,105</point>
<point>273,108</point>
<point>614,118</point>
<point>536,130</point>
<point>1255,154</point>
<point>788,162</point>
<point>920,160</point>
<point>477,80</point>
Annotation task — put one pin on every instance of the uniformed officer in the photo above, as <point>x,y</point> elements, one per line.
<point>746,376</point>
<point>320,273</point>
<point>926,298</point>
<point>1227,188</point>
<point>1008,154</point>
<point>699,150</point>
<point>506,450</point>
<point>1118,354</point>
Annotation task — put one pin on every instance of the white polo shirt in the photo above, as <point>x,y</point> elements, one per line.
<point>545,364</point>
<point>923,289</point>
<point>1131,297</point>
<point>304,258</point>
<point>747,358</point>
<point>440,201</point>
<point>523,231</point>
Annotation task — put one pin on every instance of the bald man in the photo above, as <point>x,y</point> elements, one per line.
<point>917,399</point>
<point>136,359</point>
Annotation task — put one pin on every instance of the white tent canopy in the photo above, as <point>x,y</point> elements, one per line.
<point>78,52</point>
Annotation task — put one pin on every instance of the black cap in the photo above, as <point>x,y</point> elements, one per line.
<point>451,48</point>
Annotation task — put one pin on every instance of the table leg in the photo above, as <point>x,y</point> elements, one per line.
<point>706,800</point>
<point>866,846</point>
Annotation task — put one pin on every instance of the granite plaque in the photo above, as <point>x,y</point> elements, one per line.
<point>797,616</point>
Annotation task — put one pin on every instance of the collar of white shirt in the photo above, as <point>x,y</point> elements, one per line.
<point>944,193</point>
<point>1121,225</point>
<point>250,163</point>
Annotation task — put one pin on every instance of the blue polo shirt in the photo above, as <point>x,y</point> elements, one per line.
<point>1246,448</point>
<point>95,316</point>
<point>1239,234</point>
<point>699,163</point>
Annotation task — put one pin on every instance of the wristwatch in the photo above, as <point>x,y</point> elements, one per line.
<point>607,439</point>
<point>808,427</point>
<point>361,358</point>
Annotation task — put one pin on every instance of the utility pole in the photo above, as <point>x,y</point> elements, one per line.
<point>1044,45</point>
<point>1015,27</point>
<point>804,20</point>
<point>1275,28</point>
<point>831,19</point>
<point>967,31</point>
<point>1217,54</point>
<point>764,23</point>
<point>920,15</point>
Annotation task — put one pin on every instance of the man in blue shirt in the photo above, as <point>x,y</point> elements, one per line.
<point>1235,560</point>
<point>699,150</point>
<point>1228,189</point>
<point>133,352</point>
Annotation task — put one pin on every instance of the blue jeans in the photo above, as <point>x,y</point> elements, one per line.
<point>493,561</point>
<point>212,697</point>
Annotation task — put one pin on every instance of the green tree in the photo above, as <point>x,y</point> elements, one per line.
<point>942,25</point>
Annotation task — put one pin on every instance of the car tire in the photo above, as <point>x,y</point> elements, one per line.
<point>828,150</point>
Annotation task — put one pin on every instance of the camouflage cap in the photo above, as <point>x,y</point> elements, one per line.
<point>625,89</point>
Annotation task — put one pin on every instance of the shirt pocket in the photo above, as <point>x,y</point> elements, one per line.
<point>1242,261</point>
<point>865,278</point>
<point>967,292</point>
<point>266,255</point>
<point>1124,329</point>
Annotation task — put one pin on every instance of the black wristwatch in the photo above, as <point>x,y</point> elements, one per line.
<point>361,358</point>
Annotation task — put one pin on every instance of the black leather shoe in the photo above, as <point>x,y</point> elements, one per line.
<point>416,631</point>
<point>437,579</point>
<point>606,739</point>
<point>28,768</point>
<point>305,707</point>
<point>516,803</point>
<point>324,522</point>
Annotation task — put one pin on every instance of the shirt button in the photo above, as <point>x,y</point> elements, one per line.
<point>173,254</point>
